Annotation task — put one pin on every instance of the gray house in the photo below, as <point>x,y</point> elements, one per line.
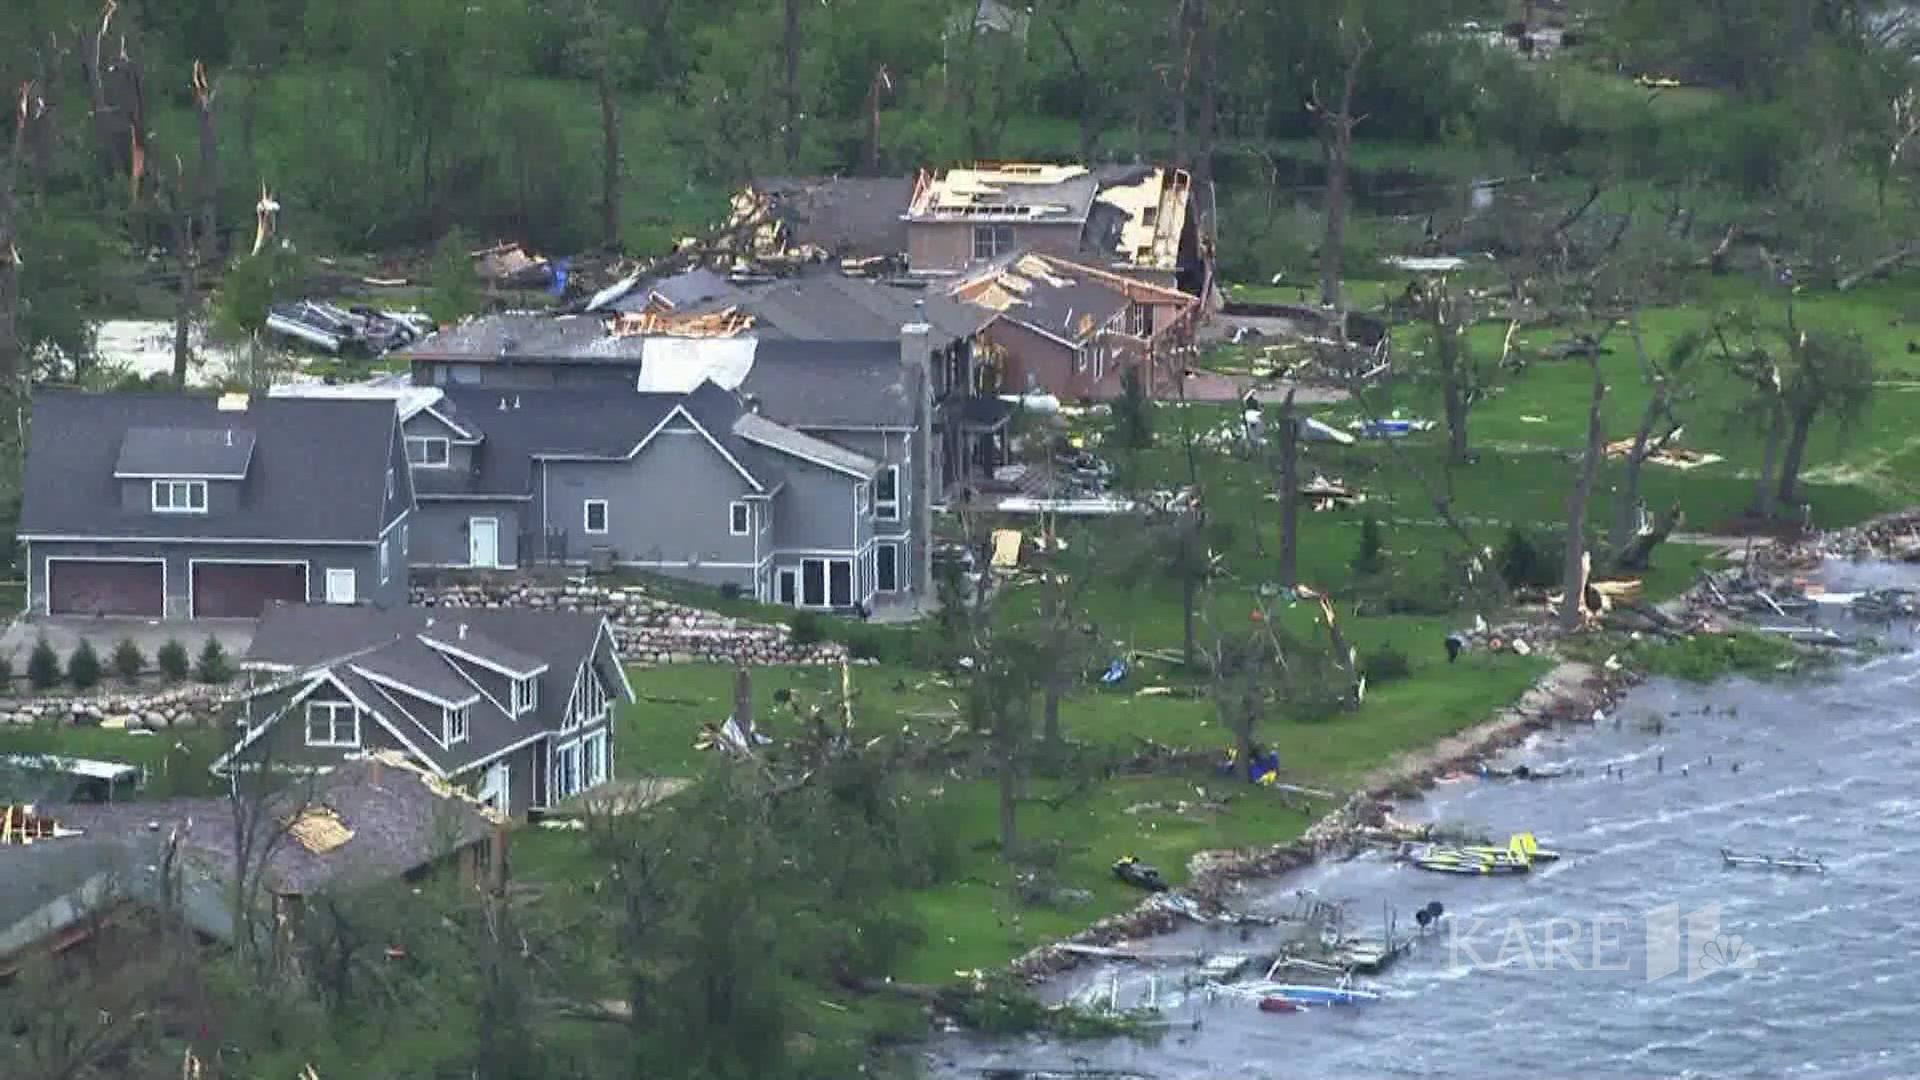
<point>884,371</point>
<point>694,485</point>
<point>177,506</point>
<point>516,706</point>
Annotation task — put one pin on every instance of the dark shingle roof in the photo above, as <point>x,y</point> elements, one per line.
<point>824,384</point>
<point>826,306</point>
<point>851,217</point>
<point>1055,297</point>
<point>318,469</point>
<point>339,638</point>
<point>591,423</point>
<point>530,336</point>
<point>398,823</point>
<point>209,452</point>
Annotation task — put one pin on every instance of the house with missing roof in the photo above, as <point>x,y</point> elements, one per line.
<point>100,868</point>
<point>514,706</point>
<point>184,506</point>
<point>1070,330</point>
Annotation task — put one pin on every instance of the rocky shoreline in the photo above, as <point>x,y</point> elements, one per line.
<point>1570,693</point>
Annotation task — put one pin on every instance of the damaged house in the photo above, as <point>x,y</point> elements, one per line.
<point>107,868</point>
<point>870,372</point>
<point>514,706</point>
<point>1070,330</point>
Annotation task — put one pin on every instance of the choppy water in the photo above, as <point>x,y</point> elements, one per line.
<point>1547,975</point>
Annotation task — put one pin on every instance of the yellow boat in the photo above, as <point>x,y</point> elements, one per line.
<point>1519,845</point>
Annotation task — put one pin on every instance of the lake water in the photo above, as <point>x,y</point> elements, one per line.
<point>1639,954</point>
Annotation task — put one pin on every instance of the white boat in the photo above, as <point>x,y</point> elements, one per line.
<point>1792,860</point>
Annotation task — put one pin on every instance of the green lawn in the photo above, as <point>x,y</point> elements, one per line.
<point>176,761</point>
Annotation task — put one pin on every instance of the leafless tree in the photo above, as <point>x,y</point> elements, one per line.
<point>1335,126</point>
<point>1578,559</point>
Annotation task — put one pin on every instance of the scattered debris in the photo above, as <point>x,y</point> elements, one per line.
<point>319,830</point>
<point>20,825</point>
<point>725,323</point>
<point>1006,549</point>
<point>509,266</point>
<point>356,330</point>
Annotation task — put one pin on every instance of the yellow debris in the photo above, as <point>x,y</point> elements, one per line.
<point>1006,548</point>
<point>319,830</point>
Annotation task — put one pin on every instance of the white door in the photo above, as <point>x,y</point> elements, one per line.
<point>340,587</point>
<point>483,542</point>
<point>496,788</point>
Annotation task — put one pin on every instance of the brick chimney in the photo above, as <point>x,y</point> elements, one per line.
<point>916,351</point>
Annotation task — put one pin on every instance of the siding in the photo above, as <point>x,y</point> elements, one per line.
<point>666,508</point>
<point>948,245</point>
<point>438,531</point>
<point>890,448</point>
<point>528,376</point>
<point>285,743</point>
<point>362,559</point>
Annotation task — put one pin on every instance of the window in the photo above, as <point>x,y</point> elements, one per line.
<point>332,723</point>
<point>1080,359</point>
<point>1139,320</point>
<point>456,726</point>
<point>464,374</point>
<point>589,704</point>
<point>886,505</point>
<point>427,452</point>
<point>386,560</point>
<point>526,695</point>
<point>840,582</point>
<point>594,763</point>
<point>739,520</point>
<point>389,481</point>
<point>992,241</point>
<point>862,497</point>
<point>563,773</point>
<point>813,583</point>
<point>180,496</point>
<point>596,513</point>
<point>405,548</point>
<point>886,564</point>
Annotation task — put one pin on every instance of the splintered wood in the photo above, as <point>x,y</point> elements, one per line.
<point>319,830</point>
<point>724,323</point>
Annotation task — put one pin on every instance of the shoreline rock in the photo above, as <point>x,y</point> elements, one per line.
<point>1569,693</point>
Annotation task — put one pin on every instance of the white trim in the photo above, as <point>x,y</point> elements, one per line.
<point>388,697</point>
<point>178,476</point>
<point>384,555</point>
<point>826,581</point>
<point>46,584</point>
<point>332,708</point>
<point>468,438</point>
<point>502,752</point>
<point>890,469</point>
<point>394,524</point>
<point>429,496</point>
<point>490,665</point>
<point>681,412</point>
<point>471,681</point>
<point>784,571</point>
<point>170,483</point>
<point>888,428</point>
<point>389,681</point>
<point>877,586</point>
<point>675,563</point>
<point>613,651</point>
<point>352,577</point>
<point>503,805</point>
<point>193,593</point>
<point>586,517</point>
<point>325,675</point>
<point>789,451</point>
<point>446,451</point>
<point>446,725</point>
<point>735,508</point>
<point>133,539</point>
<point>462,566</point>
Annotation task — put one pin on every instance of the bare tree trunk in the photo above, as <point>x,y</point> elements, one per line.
<point>1090,112</point>
<point>188,250</point>
<point>1181,79</point>
<point>1289,493</point>
<point>1336,150</point>
<point>1573,581</point>
<point>12,354</point>
<point>1763,493</point>
<point>1626,498</point>
<point>1800,428</point>
<point>791,82</point>
<point>207,180</point>
<point>1209,118</point>
<point>610,163</point>
<point>1007,766</point>
<point>1189,600</point>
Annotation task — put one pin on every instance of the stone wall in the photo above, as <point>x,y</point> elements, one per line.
<point>649,630</point>
<point>189,705</point>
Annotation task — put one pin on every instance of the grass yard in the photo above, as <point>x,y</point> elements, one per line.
<point>176,761</point>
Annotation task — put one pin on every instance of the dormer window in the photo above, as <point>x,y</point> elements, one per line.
<point>179,496</point>
<point>526,695</point>
<point>456,726</point>
<point>427,452</point>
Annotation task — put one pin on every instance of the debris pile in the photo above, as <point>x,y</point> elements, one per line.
<point>358,330</point>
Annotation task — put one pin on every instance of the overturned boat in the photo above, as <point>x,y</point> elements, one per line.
<point>1792,860</point>
<point>1516,858</point>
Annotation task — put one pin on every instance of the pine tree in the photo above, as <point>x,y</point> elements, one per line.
<point>83,667</point>
<point>1371,557</point>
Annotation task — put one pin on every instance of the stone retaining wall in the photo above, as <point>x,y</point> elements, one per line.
<point>649,630</point>
<point>191,705</point>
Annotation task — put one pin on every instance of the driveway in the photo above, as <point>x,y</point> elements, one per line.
<point>65,635</point>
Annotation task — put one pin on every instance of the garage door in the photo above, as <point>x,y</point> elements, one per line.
<point>85,587</point>
<point>240,590</point>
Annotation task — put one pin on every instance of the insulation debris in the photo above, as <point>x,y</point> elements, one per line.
<point>319,830</point>
<point>20,825</point>
<point>724,323</point>
<point>1006,549</point>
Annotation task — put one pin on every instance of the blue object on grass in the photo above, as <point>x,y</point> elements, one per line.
<point>1115,672</point>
